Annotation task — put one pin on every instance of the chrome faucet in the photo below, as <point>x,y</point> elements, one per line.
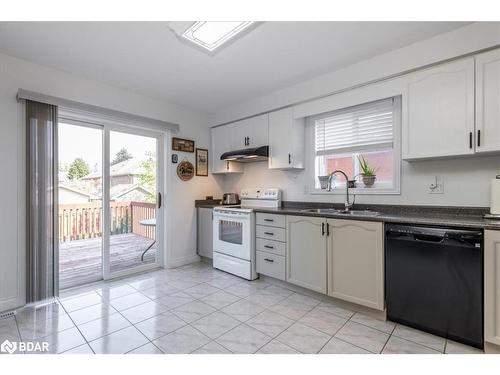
<point>348,183</point>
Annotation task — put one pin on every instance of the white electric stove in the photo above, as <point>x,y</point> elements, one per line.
<point>234,231</point>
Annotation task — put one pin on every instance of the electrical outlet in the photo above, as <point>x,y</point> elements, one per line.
<point>437,186</point>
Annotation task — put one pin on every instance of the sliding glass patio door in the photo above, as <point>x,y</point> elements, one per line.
<point>109,198</point>
<point>133,202</point>
<point>80,197</point>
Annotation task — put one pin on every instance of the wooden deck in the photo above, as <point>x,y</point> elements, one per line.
<point>81,261</point>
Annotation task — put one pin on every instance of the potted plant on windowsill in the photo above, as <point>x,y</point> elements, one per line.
<point>368,173</point>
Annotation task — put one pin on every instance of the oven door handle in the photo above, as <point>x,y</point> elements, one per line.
<point>220,215</point>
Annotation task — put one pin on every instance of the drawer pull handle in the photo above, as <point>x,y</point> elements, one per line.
<point>270,220</point>
<point>269,247</point>
<point>269,260</point>
<point>269,233</point>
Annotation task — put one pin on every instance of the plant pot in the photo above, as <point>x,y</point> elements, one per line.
<point>368,181</point>
<point>323,181</point>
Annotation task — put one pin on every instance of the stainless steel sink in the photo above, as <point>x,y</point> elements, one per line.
<point>367,213</point>
<point>321,210</point>
<point>359,213</point>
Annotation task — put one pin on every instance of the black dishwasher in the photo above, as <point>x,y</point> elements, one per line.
<point>434,280</point>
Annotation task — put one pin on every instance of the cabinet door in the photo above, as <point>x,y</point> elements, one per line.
<point>488,102</point>
<point>439,111</point>
<point>306,252</point>
<point>492,286</point>
<point>257,131</point>
<point>286,140</point>
<point>238,132</point>
<point>205,232</point>
<point>356,262</point>
<point>221,142</point>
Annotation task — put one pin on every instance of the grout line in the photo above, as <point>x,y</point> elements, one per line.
<point>366,325</point>
<point>357,346</point>
<point>425,346</point>
<point>78,328</point>
<point>332,336</point>
<point>18,330</point>
<point>416,343</point>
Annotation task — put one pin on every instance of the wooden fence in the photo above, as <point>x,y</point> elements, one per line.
<point>83,220</point>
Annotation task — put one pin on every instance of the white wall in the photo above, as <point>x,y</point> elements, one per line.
<point>466,180</point>
<point>15,74</point>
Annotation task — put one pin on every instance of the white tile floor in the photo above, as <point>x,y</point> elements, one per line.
<point>197,309</point>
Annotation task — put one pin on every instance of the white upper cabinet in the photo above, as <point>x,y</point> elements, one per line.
<point>222,138</point>
<point>439,111</point>
<point>250,133</point>
<point>286,140</point>
<point>488,102</point>
<point>258,131</point>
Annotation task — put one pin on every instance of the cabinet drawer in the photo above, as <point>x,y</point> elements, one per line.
<point>272,220</point>
<point>271,265</point>
<point>271,233</point>
<point>270,246</point>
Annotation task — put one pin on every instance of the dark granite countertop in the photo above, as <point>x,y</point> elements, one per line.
<point>425,215</point>
<point>204,203</point>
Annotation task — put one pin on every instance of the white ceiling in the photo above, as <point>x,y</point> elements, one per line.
<point>147,57</point>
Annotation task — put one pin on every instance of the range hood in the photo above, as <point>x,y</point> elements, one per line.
<point>247,155</point>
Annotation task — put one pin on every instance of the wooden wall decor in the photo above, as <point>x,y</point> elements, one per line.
<point>184,145</point>
<point>185,170</point>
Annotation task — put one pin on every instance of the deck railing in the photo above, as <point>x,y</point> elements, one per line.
<point>83,220</point>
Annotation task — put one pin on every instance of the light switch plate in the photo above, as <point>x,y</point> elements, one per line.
<point>437,186</point>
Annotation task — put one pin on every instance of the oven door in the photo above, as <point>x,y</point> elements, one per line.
<point>233,233</point>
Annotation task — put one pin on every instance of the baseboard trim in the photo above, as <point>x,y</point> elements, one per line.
<point>490,348</point>
<point>174,263</point>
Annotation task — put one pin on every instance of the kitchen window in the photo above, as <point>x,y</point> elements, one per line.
<point>370,131</point>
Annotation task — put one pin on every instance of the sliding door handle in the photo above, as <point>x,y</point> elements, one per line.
<point>322,229</point>
<point>159,200</point>
<point>470,140</point>
<point>479,138</point>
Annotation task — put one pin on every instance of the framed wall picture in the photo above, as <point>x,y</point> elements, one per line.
<point>201,162</point>
<point>184,145</point>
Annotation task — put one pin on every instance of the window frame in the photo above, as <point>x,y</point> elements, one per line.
<point>339,188</point>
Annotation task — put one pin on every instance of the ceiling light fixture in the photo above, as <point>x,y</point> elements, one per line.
<point>211,35</point>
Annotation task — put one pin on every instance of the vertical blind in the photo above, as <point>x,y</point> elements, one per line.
<point>41,122</point>
<point>365,126</point>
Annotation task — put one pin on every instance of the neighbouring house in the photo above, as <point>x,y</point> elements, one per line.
<point>129,192</point>
<point>71,195</point>
<point>125,172</point>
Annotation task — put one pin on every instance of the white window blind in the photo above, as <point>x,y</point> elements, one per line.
<point>360,128</point>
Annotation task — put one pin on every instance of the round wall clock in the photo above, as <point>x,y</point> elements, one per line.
<point>185,170</point>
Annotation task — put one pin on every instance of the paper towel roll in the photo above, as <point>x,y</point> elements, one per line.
<point>495,196</point>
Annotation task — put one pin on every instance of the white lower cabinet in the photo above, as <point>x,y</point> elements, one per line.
<point>492,286</point>
<point>306,252</point>
<point>270,264</point>
<point>341,258</point>
<point>270,245</point>
<point>205,232</point>
<point>355,258</point>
